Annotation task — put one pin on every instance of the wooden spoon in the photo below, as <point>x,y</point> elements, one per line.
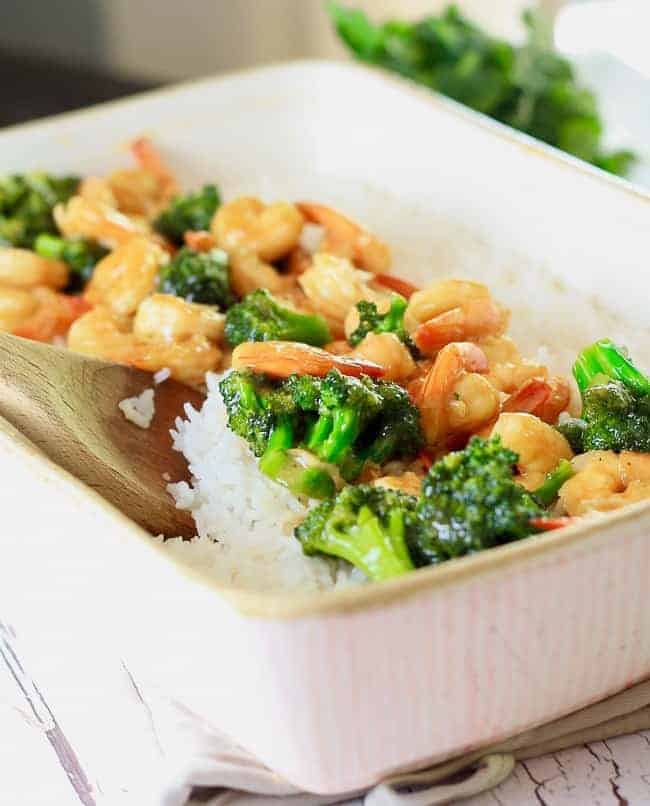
<point>67,405</point>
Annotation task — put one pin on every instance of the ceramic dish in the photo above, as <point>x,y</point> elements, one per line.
<point>337,690</point>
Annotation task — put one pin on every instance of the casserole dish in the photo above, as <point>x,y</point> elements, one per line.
<point>336,691</point>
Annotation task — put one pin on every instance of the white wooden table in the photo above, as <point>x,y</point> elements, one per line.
<point>53,754</point>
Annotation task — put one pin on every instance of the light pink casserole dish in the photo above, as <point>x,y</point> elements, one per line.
<point>337,690</point>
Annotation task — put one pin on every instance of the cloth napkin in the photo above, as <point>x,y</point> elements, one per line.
<point>213,771</point>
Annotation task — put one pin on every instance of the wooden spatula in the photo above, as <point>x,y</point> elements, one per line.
<point>67,405</point>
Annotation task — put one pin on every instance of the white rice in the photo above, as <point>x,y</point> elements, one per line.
<point>162,375</point>
<point>244,520</point>
<point>139,410</point>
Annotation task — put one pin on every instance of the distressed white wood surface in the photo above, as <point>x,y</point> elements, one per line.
<point>54,753</point>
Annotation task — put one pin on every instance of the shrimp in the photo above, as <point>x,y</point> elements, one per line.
<point>102,334</point>
<point>408,483</point>
<point>163,317</point>
<point>345,238</point>
<point>545,399</point>
<point>605,481</point>
<point>82,218</point>
<point>453,310</point>
<point>386,350</point>
<point>145,190</point>
<point>270,232</point>
<point>539,446</point>
<point>396,284</point>
<point>334,286</point>
<point>126,276</point>
<point>16,305</point>
<point>508,370</point>
<point>96,190</point>
<point>445,410</point>
<point>22,268</point>
<point>280,359</point>
<point>51,316</point>
<point>471,319</point>
<point>254,234</point>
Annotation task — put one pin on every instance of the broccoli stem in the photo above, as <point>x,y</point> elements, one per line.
<point>380,552</point>
<point>345,429</point>
<point>313,482</point>
<point>548,491</point>
<point>50,246</point>
<point>307,329</point>
<point>603,361</point>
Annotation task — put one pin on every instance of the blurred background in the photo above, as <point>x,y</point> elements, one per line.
<point>64,54</point>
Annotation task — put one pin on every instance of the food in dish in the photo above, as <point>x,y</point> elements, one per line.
<point>356,426</point>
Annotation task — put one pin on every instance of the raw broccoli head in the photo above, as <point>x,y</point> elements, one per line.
<point>198,277</point>
<point>364,525</point>
<point>370,321</point>
<point>81,257</point>
<point>615,402</point>
<point>260,317</point>
<point>193,211</point>
<point>26,204</point>
<point>470,501</point>
<point>339,420</point>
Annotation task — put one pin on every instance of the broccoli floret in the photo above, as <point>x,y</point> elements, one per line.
<point>370,321</point>
<point>547,492</point>
<point>198,277</point>
<point>193,211</point>
<point>398,433</point>
<point>615,402</point>
<point>26,204</point>
<point>339,420</point>
<point>260,317</point>
<point>245,396</point>
<point>470,502</point>
<point>81,257</point>
<point>364,525</point>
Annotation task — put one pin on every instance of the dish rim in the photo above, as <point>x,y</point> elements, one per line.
<point>285,605</point>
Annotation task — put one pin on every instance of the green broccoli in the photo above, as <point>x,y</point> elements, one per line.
<point>26,205</point>
<point>371,321</point>
<point>470,502</point>
<point>547,492</point>
<point>364,525</point>
<point>193,211</point>
<point>615,402</point>
<point>530,87</point>
<point>260,317</point>
<point>81,257</point>
<point>339,420</point>
<point>198,277</point>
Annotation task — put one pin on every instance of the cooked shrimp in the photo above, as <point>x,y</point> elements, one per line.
<point>408,483</point>
<point>23,268</point>
<point>163,317</point>
<point>345,238</point>
<point>545,399</point>
<point>269,231</point>
<point>51,316</point>
<point>508,370</point>
<point>436,395</point>
<point>539,446</point>
<point>253,234</point>
<point>16,305</point>
<point>145,190</point>
<point>334,286</point>
<point>298,260</point>
<point>96,190</point>
<point>281,359</point>
<point>388,351</point>
<point>102,334</point>
<point>453,310</point>
<point>81,218</point>
<point>396,284</point>
<point>126,276</point>
<point>605,481</point>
